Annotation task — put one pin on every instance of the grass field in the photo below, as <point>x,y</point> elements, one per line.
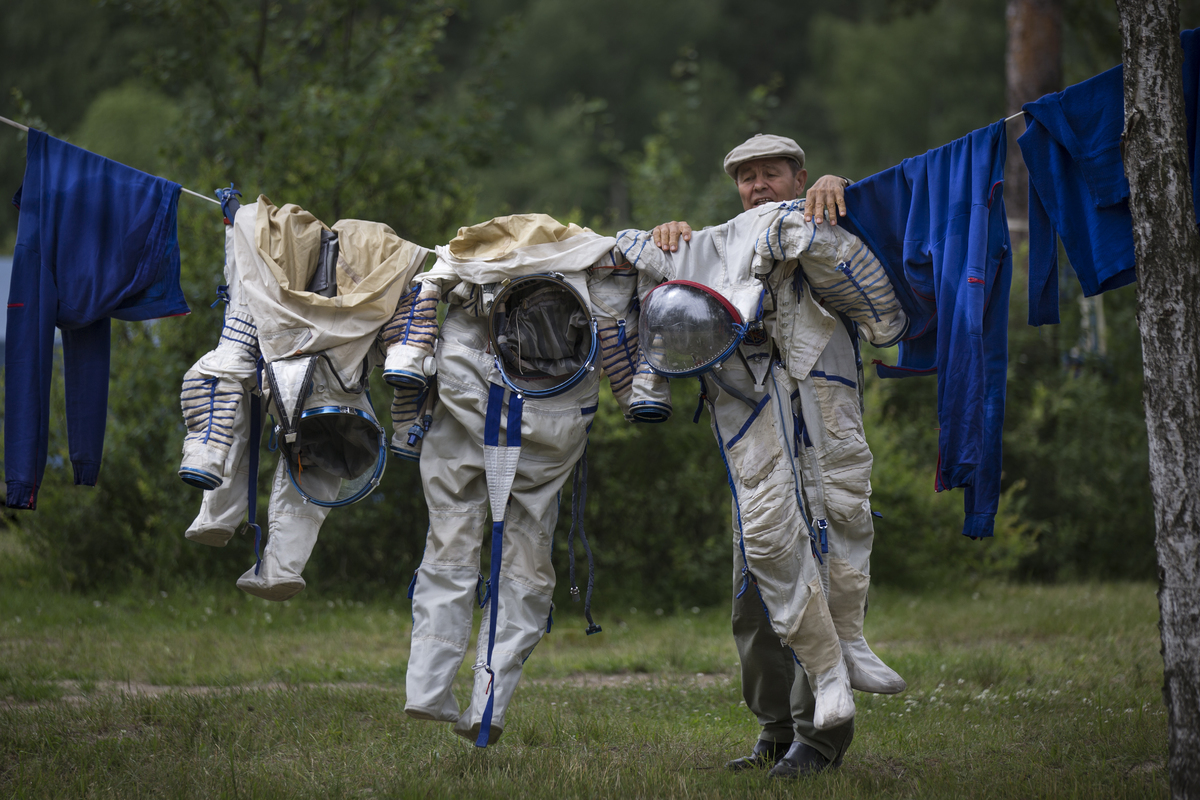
<point>1014,692</point>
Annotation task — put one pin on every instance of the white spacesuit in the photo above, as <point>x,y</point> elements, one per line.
<point>798,468</point>
<point>317,349</point>
<point>834,456</point>
<point>507,428</point>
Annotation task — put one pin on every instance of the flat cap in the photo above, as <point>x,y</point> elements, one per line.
<point>763,145</point>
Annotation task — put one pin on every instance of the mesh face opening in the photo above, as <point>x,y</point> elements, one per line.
<point>685,329</point>
<point>542,333</point>
<point>343,445</point>
<point>339,458</point>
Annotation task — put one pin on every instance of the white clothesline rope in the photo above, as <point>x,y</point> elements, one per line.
<point>25,128</point>
<point>16,125</point>
<point>197,194</point>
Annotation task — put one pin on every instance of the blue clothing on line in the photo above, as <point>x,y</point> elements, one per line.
<point>938,225</point>
<point>1077,184</point>
<point>95,240</point>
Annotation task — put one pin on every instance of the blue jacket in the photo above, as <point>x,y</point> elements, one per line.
<point>95,240</point>
<point>1077,184</point>
<point>938,225</point>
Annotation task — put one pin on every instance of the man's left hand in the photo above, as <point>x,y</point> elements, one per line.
<point>826,200</point>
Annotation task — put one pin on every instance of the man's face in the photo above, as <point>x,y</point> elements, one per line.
<point>769,180</point>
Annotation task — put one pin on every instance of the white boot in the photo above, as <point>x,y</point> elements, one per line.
<point>293,529</point>
<point>522,623</point>
<point>835,701</point>
<point>274,581</point>
<point>443,604</point>
<point>867,671</point>
<point>209,533</point>
<point>222,509</point>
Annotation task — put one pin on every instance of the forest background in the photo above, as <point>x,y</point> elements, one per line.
<point>429,115</point>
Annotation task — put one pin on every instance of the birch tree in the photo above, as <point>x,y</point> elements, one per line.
<point>1167,250</point>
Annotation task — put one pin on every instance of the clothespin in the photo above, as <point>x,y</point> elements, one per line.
<point>229,205</point>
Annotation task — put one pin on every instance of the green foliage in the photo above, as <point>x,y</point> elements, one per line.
<point>625,82</point>
<point>130,124</point>
<point>333,106</point>
<point>658,509</point>
<point>58,56</point>
<point>556,170</point>
<point>1076,495</point>
<point>898,87</point>
<point>669,178</point>
<point>918,541</point>
<point>1075,431</point>
<point>429,115</point>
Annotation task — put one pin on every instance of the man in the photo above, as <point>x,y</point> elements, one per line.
<point>770,170</point>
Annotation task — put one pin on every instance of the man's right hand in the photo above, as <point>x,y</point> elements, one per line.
<point>668,235</point>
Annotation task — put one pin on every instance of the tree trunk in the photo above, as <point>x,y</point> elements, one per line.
<point>1034,68</point>
<point>1167,250</point>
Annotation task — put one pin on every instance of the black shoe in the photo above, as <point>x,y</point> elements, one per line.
<point>762,756</point>
<point>801,760</point>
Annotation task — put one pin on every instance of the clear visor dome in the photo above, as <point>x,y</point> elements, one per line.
<point>341,455</point>
<point>686,328</point>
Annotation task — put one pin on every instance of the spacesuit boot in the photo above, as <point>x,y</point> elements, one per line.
<point>847,602</point>
<point>443,605</point>
<point>222,509</point>
<point>293,528</point>
<point>524,612</point>
<point>835,701</point>
<point>221,512</point>
<point>867,671</point>
<point>813,643</point>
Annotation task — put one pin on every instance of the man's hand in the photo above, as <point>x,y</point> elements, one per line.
<point>668,235</point>
<point>826,200</point>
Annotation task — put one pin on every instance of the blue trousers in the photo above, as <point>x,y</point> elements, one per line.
<point>95,240</point>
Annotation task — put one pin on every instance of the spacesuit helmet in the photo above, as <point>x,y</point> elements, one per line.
<point>334,448</point>
<point>543,335</point>
<point>687,328</point>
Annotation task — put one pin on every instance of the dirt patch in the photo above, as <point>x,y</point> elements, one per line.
<point>889,767</point>
<point>80,693</point>
<point>1146,767</point>
<point>600,680</point>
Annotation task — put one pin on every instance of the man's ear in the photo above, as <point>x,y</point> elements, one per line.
<point>801,182</point>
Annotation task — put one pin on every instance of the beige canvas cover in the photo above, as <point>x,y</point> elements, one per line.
<point>516,245</point>
<point>279,246</point>
<point>499,237</point>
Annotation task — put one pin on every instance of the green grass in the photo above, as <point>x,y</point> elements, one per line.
<point>1013,692</point>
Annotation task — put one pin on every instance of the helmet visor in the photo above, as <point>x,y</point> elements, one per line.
<point>687,328</point>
